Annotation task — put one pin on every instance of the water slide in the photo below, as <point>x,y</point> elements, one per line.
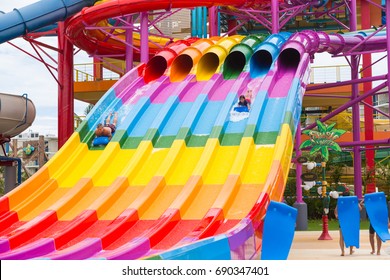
<point>17,113</point>
<point>177,172</point>
<point>179,179</point>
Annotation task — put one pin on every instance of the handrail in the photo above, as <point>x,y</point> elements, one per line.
<point>87,75</point>
<point>330,74</point>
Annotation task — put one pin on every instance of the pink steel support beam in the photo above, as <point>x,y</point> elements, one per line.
<point>365,143</point>
<point>298,170</point>
<point>115,68</point>
<point>275,16</point>
<point>344,83</point>
<point>144,37</point>
<point>327,96</point>
<point>376,109</point>
<point>368,109</point>
<point>233,30</point>
<point>388,43</point>
<point>350,103</point>
<point>357,158</point>
<point>65,87</point>
<point>296,10</point>
<point>129,46</point>
<point>213,21</point>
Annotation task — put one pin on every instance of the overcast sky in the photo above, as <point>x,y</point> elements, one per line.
<point>22,74</point>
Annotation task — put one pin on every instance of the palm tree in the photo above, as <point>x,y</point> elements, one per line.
<point>323,140</point>
<point>88,109</point>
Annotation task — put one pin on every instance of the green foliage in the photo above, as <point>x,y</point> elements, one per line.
<point>316,225</point>
<point>382,175</point>
<point>322,140</point>
<point>1,180</point>
<point>88,109</point>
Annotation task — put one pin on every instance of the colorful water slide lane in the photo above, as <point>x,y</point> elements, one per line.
<point>177,172</point>
<point>174,180</point>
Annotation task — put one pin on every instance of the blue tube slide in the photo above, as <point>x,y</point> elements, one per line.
<point>32,17</point>
<point>266,54</point>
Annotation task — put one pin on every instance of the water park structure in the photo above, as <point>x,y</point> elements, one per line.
<point>187,175</point>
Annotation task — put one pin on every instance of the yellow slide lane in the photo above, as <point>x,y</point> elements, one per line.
<point>252,165</point>
<point>259,164</point>
<point>60,168</point>
<point>158,195</point>
<point>281,163</point>
<point>112,166</point>
<point>185,167</point>
<point>207,180</point>
<point>220,164</point>
<point>236,199</point>
<point>38,182</point>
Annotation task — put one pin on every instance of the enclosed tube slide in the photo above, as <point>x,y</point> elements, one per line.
<point>156,66</point>
<point>266,53</point>
<point>337,43</point>
<point>16,114</point>
<point>239,56</point>
<point>40,14</point>
<point>189,58</point>
<point>214,56</point>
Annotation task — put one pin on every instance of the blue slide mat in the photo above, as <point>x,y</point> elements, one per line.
<point>278,231</point>
<point>349,219</point>
<point>376,208</point>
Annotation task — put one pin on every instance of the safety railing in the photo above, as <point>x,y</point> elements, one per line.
<point>84,72</point>
<point>330,74</point>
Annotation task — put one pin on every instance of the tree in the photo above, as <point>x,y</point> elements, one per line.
<point>88,109</point>
<point>323,140</point>
<point>383,174</point>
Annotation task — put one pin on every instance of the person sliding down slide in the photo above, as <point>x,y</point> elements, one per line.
<point>109,128</point>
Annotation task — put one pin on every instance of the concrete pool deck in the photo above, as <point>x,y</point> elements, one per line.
<point>306,246</point>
